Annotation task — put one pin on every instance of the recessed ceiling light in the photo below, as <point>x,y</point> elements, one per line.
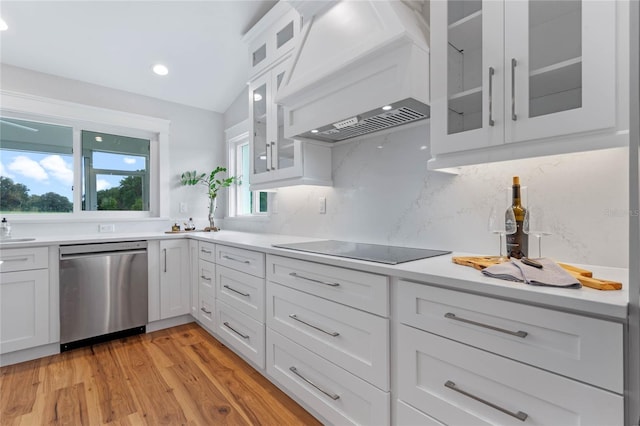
<point>257,97</point>
<point>3,25</point>
<point>386,107</point>
<point>98,138</point>
<point>314,131</point>
<point>160,69</point>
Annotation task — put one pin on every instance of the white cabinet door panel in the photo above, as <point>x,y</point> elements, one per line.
<point>242,291</point>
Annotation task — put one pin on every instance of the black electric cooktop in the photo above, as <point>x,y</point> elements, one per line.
<point>391,255</point>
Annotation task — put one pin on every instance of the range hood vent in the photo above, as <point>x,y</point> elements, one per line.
<point>353,58</point>
<point>406,111</point>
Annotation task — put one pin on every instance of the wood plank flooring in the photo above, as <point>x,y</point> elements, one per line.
<point>177,376</point>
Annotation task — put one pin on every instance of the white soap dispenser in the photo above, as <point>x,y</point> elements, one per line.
<point>5,228</point>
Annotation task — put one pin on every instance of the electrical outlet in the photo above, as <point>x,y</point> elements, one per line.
<point>322,205</point>
<point>107,228</point>
<point>183,207</point>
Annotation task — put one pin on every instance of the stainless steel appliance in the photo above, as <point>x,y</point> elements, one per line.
<point>103,292</point>
<point>391,255</point>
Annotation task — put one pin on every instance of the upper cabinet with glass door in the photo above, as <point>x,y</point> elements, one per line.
<point>515,71</point>
<point>275,160</point>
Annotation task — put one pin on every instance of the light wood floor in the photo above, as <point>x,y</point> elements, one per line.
<point>178,376</point>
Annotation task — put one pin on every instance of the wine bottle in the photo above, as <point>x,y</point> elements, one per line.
<point>517,243</point>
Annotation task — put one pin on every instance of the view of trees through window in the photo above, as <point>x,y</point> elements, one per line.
<point>37,169</point>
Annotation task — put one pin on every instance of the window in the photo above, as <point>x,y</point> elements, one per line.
<point>71,160</point>
<point>242,201</point>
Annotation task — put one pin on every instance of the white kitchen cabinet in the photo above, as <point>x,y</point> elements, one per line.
<point>512,71</point>
<point>275,160</point>
<point>463,358</point>
<point>24,299</point>
<point>175,278</point>
<point>206,289</point>
<point>193,277</point>
<point>242,333</point>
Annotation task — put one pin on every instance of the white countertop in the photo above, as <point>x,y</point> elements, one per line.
<point>440,271</point>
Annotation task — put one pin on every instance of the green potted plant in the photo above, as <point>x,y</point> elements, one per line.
<point>213,183</point>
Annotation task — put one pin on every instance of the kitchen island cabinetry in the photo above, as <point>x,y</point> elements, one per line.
<point>24,298</point>
<point>325,344</point>
<point>464,358</point>
<point>525,71</point>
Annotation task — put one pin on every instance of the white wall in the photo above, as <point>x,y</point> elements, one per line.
<point>196,139</point>
<point>383,193</point>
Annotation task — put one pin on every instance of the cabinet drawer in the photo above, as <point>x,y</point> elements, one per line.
<point>456,384</point>
<point>406,415</point>
<point>362,290</point>
<point>354,340</point>
<point>206,303</point>
<point>241,291</point>
<point>207,276</point>
<point>584,348</point>
<point>338,396</point>
<point>242,333</point>
<point>207,251</point>
<point>247,261</point>
<point>24,259</point>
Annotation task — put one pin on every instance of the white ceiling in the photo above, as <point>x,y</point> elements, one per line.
<point>115,44</point>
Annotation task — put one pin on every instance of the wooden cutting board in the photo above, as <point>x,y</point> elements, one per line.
<point>584,276</point>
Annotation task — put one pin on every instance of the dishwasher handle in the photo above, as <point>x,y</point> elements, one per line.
<point>64,256</point>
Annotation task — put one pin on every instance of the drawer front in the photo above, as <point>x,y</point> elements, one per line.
<point>206,307</point>
<point>458,384</point>
<point>338,396</point>
<point>362,290</point>
<point>247,261</point>
<point>207,251</point>
<point>354,340</point>
<point>242,333</point>
<point>24,259</point>
<point>584,348</point>
<point>241,291</point>
<point>207,276</point>
<point>406,415</point>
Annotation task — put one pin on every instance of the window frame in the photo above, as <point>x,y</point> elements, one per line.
<point>85,117</point>
<point>238,136</point>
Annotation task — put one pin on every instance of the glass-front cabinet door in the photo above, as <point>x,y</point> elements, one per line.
<point>560,67</point>
<point>466,88</point>
<point>284,147</point>
<point>258,114</point>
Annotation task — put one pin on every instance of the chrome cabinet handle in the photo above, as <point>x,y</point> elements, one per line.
<point>514,117</point>
<point>205,311</point>
<point>236,291</point>
<point>333,396</point>
<point>452,316</point>
<point>19,259</point>
<point>205,278</point>
<point>313,280</point>
<point>491,72</point>
<point>330,333</point>
<point>518,415</point>
<point>244,336</point>
<point>272,166</point>
<point>247,262</point>
<point>165,260</point>
<point>205,251</point>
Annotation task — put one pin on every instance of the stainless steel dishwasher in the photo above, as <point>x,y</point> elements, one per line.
<point>103,292</point>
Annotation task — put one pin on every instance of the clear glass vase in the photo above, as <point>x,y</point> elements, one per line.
<point>213,204</point>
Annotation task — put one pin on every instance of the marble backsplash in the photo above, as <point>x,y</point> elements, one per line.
<point>383,193</point>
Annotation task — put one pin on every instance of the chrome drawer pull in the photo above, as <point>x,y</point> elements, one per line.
<point>236,291</point>
<point>244,336</point>
<point>236,260</point>
<point>294,275</point>
<point>522,334</point>
<point>205,251</point>
<point>205,311</point>
<point>329,394</point>
<point>330,333</point>
<point>519,415</point>
<point>19,259</point>
<point>205,278</point>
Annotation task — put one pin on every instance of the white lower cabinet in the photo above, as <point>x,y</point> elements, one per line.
<point>24,309</point>
<point>175,283</point>
<point>458,384</point>
<point>337,395</point>
<point>243,334</point>
<point>206,293</point>
<point>406,415</point>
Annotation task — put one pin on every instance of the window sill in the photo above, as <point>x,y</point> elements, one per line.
<point>248,218</point>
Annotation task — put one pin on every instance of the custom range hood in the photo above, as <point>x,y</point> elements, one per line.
<point>358,68</point>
